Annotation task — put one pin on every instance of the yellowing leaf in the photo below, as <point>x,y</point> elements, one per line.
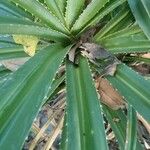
<point>29,43</point>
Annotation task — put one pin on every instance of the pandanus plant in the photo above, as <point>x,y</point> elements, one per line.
<point>87,38</point>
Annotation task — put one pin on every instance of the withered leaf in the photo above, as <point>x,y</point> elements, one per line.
<point>109,96</point>
<point>104,61</point>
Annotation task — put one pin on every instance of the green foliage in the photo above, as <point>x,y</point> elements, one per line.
<point>59,25</point>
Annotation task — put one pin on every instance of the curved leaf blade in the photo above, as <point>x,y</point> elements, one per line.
<point>24,92</point>
<point>54,8</point>
<point>25,29</point>
<point>111,24</point>
<point>105,11</point>
<point>90,11</point>
<point>119,126</point>
<point>37,9</point>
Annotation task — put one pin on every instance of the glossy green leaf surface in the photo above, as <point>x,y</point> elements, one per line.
<point>24,92</point>
<point>134,88</point>
<point>84,129</point>
<point>141,12</point>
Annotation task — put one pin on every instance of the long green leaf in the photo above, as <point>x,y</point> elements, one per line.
<point>105,11</point>
<point>3,71</point>
<point>134,88</point>
<point>23,94</point>
<point>118,122</point>
<point>84,122</point>
<point>55,86</point>
<point>112,23</point>
<point>54,8</point>
<point>73,9</point>
<point>109,7</point>
<point>37,9</point>
<point>131,138</point>
<point>134,29</point>
<point>141,12</point>
<point>135,42</point>
<point>62,5</point>
<point>25,29</point>
<point>90,11</point>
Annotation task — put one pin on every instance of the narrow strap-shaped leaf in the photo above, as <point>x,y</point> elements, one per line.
<point>131,138</point>
<point>112,23</point>
<point>42,13</point>
<point>109,7</point>
<point>13,28</point>
<point>127,44</point>
<point>54,8</point>
<point>11,9</point>
<point>134,88</point>
<point>134,29</point>
<point>118,122</point>
<point>9,19</point>
<point>90,11</point>
<point>62,5</point>
<point>141,12</point>
<point>84,122</point>
<point>24,92</point>
<point>73,9</point>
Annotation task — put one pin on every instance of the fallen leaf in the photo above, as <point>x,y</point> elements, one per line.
<point>29,43</point>
<point>108,95</point>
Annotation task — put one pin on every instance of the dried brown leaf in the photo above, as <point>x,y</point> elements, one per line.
<point>109,96</point>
